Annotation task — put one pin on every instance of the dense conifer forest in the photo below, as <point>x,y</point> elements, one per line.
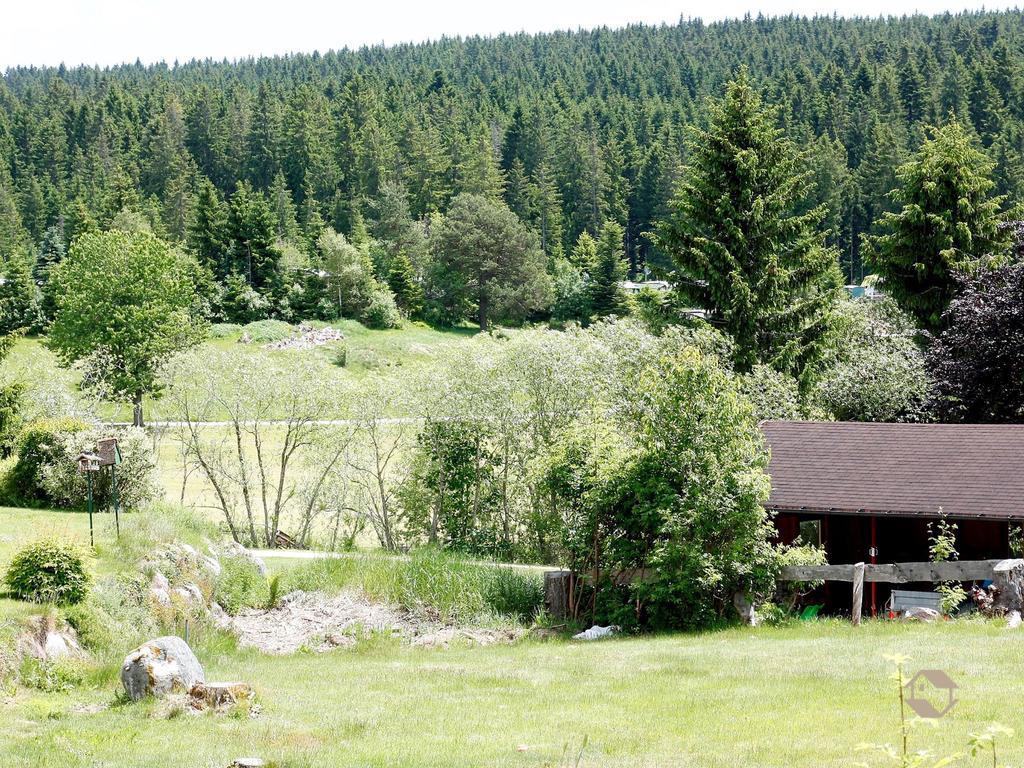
<point>246,162</point>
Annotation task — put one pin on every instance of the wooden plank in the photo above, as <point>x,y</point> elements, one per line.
<point>858,592</point>
<point>896,573</point>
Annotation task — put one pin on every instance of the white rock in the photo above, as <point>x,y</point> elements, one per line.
<point>921,614</point>
<point>1013,620</point>
<point>159,581</point>
<point>212,564</point>
<point>160,596</point>
<point>597,633</point>
<point>160,667</point>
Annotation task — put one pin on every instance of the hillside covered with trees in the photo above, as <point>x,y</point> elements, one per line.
<point>246,162</point>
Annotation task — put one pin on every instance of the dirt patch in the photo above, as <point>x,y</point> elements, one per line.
<point>319,622</point>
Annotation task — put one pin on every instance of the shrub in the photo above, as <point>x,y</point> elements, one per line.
<point>64,486</point>
<point>241,585</point>
<point>265,331</point>
<point>224,330</point>
<point>514,593</point>
<point>381,311</point>
<point>49,571</point>
<point>39,445</point>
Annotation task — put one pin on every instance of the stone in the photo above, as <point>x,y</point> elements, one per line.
<point>44,640</point>
<point>745,609</point>
<point>212,565</point>
<point>220,694</point>
<point>159,581</point>
<point>160,596</point>
<point>160,667</point>
<point>921,614</point>
<point>237,550</point>
<point>1013,620</point>
<point>248,762</point>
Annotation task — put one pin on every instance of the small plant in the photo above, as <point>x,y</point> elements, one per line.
<point>942,548</point>
<point>241,585</point>
<point>341,355</point>
<point>985,741</point>
<point>274,593</point>
<point>49,571</point>
<point>977,744</point>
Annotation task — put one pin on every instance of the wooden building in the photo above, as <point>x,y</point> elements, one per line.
<point>866,492</point>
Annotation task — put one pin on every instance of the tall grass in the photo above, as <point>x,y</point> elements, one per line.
<point>430,581</point>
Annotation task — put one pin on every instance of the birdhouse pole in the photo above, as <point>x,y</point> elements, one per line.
<point>89,463</point>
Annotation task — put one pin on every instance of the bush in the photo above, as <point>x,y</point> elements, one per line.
<point>265,331</point>
<point>64,486</point>
<point>382,312</point>
<point>39,445</point>
<point>224,330</point>
<point>241,585</point>
<point>49,571</point>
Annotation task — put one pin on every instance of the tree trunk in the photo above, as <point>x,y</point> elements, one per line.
<point>482,313</point>
<point>137,410</point>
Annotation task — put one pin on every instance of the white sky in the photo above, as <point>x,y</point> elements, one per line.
<point>48,32</point>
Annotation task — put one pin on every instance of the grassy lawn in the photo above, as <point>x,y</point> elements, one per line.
<point>803,695</point>
<point>799,696</point>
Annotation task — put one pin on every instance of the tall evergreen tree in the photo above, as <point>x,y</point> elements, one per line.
<point>743,253</point>
<point>948,222</point>
<point>609,271</point>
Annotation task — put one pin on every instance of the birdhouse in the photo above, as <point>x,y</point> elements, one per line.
<point>108,451</point>
<point>88,462</point>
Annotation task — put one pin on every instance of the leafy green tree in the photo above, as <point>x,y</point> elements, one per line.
<point>488,264</point>
<point>125,304</point>
<point>948,223</point>
<point>876,372</point>
<point>609,271</point>
<point>742,252</point>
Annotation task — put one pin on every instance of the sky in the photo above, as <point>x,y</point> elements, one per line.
<point>104,32</point>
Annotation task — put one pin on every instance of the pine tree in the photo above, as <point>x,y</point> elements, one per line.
<point>948,223</point>
<point>761,270</point>
<point>19,301</point>
<point>609,271</point>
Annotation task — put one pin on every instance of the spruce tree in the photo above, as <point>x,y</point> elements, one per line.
<point>609,271</point>
<point>402,282</point>
<point>948,223</point>
<point>207,229</point>
<point>761,270</point>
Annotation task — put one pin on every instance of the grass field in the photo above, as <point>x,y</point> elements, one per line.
<point>799,696</point>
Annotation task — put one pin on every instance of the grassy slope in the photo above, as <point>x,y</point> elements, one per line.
<point>369,352</point>
<point>801,696</point>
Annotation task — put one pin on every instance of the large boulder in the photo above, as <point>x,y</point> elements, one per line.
<point>161,666</point>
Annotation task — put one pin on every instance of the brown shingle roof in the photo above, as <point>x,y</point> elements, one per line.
<point>969,470</point>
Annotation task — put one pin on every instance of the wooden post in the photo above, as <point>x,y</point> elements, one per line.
<point>556,593</point>
<point>874,561</point>
<point>858,592</point>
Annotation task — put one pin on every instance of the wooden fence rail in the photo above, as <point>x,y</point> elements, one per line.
<point>562,593</point>
<point>896,573</point>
